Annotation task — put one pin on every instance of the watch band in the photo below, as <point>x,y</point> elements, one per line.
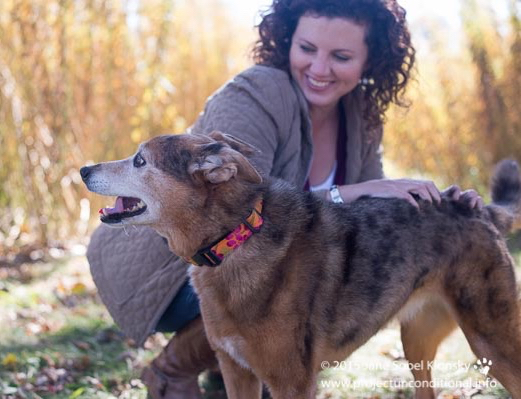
<point>335,195</point>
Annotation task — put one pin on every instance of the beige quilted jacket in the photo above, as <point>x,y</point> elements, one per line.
<point>136,275</point>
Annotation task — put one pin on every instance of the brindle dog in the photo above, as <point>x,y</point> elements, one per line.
<point>319,279</point>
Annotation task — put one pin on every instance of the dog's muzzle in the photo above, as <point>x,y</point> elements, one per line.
<point>124,207</point>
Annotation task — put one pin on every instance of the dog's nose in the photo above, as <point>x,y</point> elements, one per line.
<point>85,172</point>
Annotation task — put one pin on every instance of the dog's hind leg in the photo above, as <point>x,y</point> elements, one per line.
<point>484,299</point>
<point>499,352</point>
<point>239,381</point>
<point>421,336</point>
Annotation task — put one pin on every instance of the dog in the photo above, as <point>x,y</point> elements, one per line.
<point>290,280</point>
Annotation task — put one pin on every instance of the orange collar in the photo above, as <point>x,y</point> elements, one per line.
<point>213,254</point>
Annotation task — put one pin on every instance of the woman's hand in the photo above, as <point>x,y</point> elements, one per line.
<point>470,197</point>
<point>388,188</point>
<point>411,190</point>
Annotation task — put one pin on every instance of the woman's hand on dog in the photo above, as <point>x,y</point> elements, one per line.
<point>470,197</point>
<point>409,189</point>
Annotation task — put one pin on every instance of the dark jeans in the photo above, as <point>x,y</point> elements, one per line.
<point>183,309</point>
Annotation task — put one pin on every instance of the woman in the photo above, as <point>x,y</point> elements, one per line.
<point>314,104</point>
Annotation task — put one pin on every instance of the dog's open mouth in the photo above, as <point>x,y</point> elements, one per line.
<point>125,207</point>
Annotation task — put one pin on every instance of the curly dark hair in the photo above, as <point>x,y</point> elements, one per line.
<point>391,54</point>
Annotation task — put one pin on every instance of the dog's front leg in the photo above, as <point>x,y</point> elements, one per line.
<point>240,382</point>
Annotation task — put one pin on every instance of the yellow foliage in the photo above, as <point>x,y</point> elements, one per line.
<point>136,136</point>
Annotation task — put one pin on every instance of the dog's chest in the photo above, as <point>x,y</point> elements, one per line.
<point>234,347</point>
<point>216,305</point>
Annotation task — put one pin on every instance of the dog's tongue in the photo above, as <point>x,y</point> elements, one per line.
<point>118,207</point>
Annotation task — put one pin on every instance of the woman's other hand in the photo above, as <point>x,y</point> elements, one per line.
<point>409,189</point>
<point>470,197</point>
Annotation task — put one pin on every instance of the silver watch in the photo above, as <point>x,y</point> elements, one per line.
<point>335,195</point>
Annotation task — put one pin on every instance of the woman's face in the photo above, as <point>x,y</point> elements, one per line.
<point>327,58</point>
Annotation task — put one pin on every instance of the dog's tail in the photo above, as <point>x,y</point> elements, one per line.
<point>505,210</point>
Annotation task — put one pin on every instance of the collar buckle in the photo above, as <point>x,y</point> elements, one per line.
<point>205,257</point>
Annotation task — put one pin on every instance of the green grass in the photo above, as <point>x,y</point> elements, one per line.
<point>58,341</point>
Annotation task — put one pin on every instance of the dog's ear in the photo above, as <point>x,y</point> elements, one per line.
<point>235,143</point>
<point>223,166</point>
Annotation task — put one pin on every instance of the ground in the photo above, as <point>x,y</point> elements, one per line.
<point>58,341</point>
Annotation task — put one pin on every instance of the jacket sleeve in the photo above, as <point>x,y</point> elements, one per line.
<point>372,158</point>
<point>251,107</point>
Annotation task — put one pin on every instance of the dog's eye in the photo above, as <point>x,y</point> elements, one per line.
<point>139,161</point>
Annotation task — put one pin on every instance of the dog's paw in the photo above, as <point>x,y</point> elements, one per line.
<point>483,366</point>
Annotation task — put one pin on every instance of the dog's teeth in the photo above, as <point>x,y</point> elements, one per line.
<point>141,204</point>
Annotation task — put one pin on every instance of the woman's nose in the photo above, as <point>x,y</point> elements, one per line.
<point>319,66</point>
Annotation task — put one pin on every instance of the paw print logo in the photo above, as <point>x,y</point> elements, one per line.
<point>483,366</point>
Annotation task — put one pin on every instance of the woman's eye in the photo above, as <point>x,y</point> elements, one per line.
<point>306,49</point>
<point>139,161</point>
<point>341,57</point>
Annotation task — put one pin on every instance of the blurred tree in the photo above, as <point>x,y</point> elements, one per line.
<point>465,116</point>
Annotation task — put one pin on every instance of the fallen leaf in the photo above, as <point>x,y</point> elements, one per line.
<point>77,393</point>
<point>10,361</point>
<point>79,289</point>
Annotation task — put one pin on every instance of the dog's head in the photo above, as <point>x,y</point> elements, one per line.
<point>168,176</point>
